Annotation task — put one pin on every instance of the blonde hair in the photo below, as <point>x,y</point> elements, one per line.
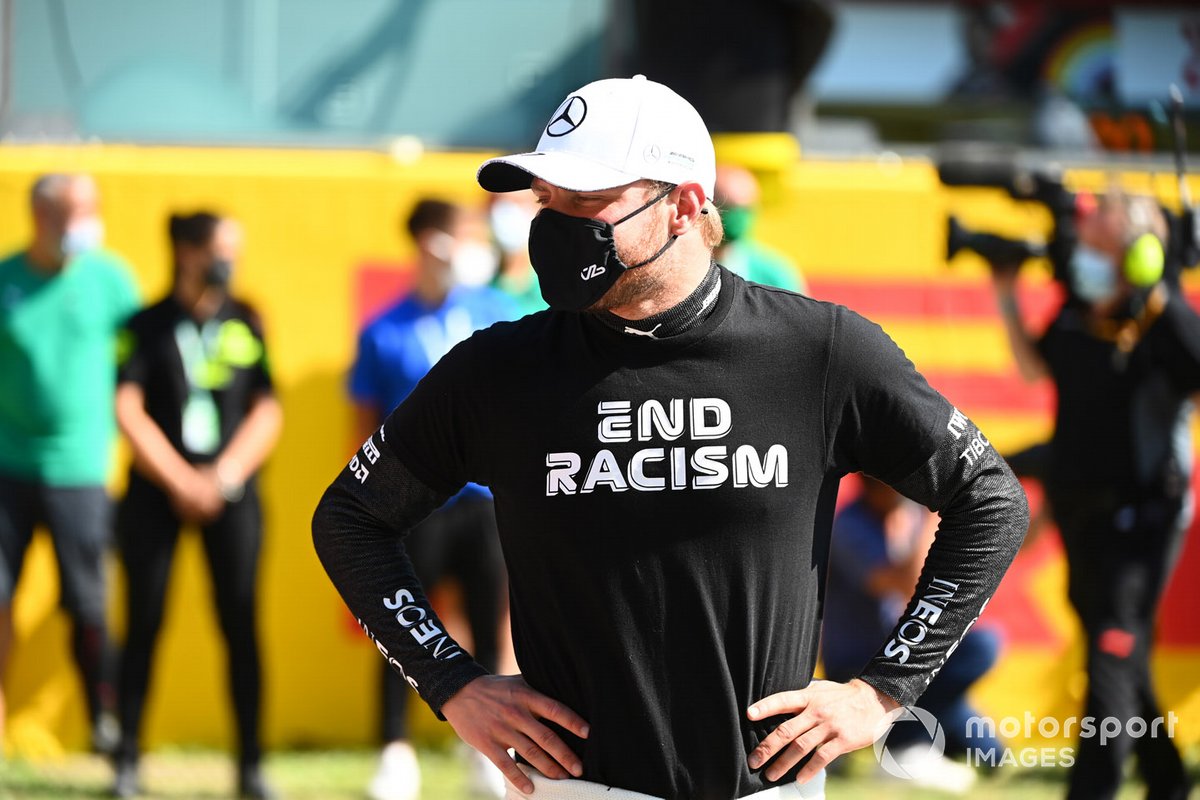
<point>712,231</point>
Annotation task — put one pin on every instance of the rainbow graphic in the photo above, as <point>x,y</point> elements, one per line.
<point>1082,64</point>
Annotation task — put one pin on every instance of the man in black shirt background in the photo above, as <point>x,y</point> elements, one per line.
<point>664,445</point>
<point>1124,355</point>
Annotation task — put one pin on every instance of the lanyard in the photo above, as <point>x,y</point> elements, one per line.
<point>197,348</point>
<point>201,419</point>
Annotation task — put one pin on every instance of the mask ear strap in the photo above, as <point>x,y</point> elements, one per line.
<point>637,211</point>
<point>661,250</point>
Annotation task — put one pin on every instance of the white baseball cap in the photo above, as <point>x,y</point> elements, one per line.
<point>610,133</point>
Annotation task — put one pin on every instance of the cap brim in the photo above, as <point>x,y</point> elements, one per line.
<point>566,171</point>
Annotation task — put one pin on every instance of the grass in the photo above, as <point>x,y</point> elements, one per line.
<point>343,774</point>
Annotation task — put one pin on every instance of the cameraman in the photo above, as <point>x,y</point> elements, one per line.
<point>1124,354</point>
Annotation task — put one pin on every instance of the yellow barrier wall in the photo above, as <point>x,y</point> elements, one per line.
<point>311,217</point>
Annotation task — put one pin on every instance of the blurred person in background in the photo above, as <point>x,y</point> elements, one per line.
<point>447,303</point>
<point>195,401</point>
<point>62,301</point>
<point>738,196</point>
<point>878,547</point>
<point>1124,354</point>
<point>510,217</point>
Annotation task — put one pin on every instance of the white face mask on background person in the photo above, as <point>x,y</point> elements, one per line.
<point>510,224</point>
<point>473,264</point>
<point>470,263</point>
<point>1093,275</point>
<point>82,236</point>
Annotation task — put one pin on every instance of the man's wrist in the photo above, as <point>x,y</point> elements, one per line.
<point>437,693</point>
<point>888,702</point>
<point>892,693</point>
<point>230,482</point>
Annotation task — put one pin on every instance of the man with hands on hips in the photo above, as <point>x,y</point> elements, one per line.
<point>664,445</point>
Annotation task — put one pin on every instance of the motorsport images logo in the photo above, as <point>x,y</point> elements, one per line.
<point>912,759</point>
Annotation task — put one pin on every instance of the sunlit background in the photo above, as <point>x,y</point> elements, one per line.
<point>318,124</point>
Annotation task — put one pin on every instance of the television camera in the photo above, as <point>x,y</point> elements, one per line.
<point>1045,186</point>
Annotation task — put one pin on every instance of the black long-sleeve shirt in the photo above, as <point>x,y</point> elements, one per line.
<point>665,507</point>
<point>1121,422</point>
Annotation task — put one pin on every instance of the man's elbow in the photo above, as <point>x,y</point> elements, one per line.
<point>324,525</point>
<point>1016,511</point>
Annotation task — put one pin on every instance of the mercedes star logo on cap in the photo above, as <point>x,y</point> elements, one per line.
<point>569,117</point>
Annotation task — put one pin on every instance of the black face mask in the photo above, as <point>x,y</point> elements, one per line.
<point>219,273</point>
<point>576,259</point>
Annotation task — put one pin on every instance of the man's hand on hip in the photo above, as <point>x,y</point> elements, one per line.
<point>496,712</point>
<point>830,718</point>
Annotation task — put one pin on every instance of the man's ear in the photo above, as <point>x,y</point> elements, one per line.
<point>689,204</point>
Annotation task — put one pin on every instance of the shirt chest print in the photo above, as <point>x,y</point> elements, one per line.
<point>673,458</point>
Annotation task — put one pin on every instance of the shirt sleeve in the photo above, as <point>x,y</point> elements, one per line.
<point>408,468</point>
<point>126,299</point>
<point>260,380</point>
<point>133,359</point>
<point>439,417</point>
<point>887,417</point>
<point>882,417</point>
<point>358,532</point>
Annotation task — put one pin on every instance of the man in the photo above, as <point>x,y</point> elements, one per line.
<point>447,304</point>
<point>737,195</point>
<point>61,302</point>
<point>1124,355</point>
<point>664,446</point>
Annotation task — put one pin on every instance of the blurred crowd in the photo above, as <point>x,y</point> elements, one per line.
<point>186,380</point>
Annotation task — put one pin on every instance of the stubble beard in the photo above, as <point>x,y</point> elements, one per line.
<point>641,283</point>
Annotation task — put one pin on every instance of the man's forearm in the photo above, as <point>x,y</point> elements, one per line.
<point>984,517</point>
<point>153,454</point>
<point>358,529</point>
<point>253,440</point>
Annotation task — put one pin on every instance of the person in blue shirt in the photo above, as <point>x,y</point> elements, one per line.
<point>449,300</point>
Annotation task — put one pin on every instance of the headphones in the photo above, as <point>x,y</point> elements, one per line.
<point>1144,256</point>
<point>1144,260</point>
